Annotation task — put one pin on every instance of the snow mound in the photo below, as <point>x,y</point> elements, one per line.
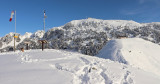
<point>62,67</point>
<point>134,51</point>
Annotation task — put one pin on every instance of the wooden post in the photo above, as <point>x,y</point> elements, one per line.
<point>27,46</point>
<point>42,42</point>
<point>42,45</point>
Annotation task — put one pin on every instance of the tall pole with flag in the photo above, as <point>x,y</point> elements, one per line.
<point>14,12</point>
<point>43,41</point>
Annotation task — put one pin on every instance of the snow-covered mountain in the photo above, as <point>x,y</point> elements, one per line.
<point>88,36</point>
<point>62,67</point>
<point>134,60</point>
<point>136,52</point>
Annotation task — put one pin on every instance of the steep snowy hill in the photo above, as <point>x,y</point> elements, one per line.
<point>135,52</point>
<point>62,67</point>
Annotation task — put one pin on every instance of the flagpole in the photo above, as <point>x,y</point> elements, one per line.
<point>15,34</point>
<point>15,21</point>
<point>44,22</point>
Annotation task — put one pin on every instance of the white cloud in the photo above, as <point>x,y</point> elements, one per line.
<point>141,1</point>
<point>144,14</point>
<point>133,11</point>
<point>153,1</point>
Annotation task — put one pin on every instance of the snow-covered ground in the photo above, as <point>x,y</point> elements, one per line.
<point>135,52</point>
<point>63,67</point>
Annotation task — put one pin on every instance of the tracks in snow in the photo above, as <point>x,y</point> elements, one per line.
<point>26,58</point>
<point>91,73</point>
<point>88,73</point>
<point>127,77</point>
<point>85,71</point>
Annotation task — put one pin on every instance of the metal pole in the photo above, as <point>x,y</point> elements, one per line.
<point>15,21</point>
<point>44,23</point>
<point>15,34</point>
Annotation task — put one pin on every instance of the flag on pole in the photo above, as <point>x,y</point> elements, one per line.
<point>45,14</point>
<point>11,16</point>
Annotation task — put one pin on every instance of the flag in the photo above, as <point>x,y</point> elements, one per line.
<point>11,16</point>
<point>45,14</point>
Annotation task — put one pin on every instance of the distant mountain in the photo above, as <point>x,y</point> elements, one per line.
<point>88,36</point>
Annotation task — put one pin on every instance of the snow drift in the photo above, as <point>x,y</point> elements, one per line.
<point>134,51</point>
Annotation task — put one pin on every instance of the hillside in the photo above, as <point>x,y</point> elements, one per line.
<point>86,36</point>
<point>135,52</point>
<point>62,67</point>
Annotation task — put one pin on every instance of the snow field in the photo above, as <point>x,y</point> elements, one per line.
<point>63,67</point>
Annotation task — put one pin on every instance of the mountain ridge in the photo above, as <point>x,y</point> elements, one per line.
<point>88,36</point>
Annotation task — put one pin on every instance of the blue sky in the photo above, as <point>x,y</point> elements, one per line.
<point>59,12</point>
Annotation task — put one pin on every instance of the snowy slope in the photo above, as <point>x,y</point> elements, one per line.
<point>135,52</point>
<point>62,67</point>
